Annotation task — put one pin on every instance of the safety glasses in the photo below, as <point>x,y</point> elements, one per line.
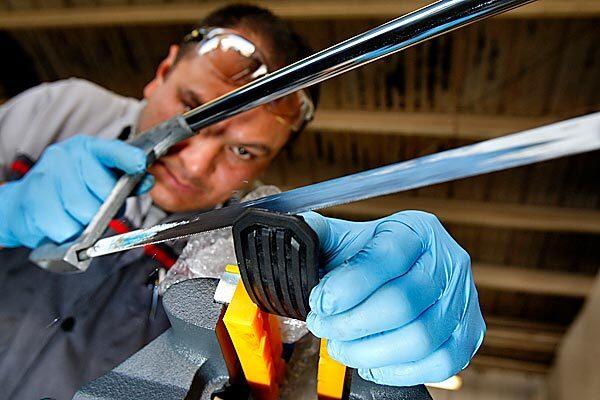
<point>239,62</point>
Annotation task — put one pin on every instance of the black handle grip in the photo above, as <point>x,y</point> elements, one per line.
<point>278,259</point>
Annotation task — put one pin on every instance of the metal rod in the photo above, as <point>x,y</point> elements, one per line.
<point>391,37</point>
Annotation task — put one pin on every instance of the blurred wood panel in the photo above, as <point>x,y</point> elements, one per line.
<point>20,14</point>
<point>486,361</point>
<point>527,280</point>
<point>452,125</point>
<point>548,219</point>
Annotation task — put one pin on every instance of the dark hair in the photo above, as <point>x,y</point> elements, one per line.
<point>285,45</point>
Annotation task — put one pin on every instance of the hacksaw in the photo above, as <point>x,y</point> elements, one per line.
<point>564,138</point>
<point>389,38</point>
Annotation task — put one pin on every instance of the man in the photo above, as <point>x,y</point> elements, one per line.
<point>398,301</point>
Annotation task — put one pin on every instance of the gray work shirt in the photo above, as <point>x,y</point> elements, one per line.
<point>58,332</point>
<point>52,112</point>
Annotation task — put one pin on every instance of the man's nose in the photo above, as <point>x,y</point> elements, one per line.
<point>200,155</point>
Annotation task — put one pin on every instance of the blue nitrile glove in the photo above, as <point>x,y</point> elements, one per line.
<point>398,300</point>
<point>65,189</point>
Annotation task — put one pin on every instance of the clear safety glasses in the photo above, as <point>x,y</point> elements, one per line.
<point>239,62</point>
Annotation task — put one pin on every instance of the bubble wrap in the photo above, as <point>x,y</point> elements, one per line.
<point>207,254</point>
<point>291,329</point>
<point>204,256</point>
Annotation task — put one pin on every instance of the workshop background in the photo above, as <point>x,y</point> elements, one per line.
<point>533,232</point>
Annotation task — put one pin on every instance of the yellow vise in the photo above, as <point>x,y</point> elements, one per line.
<point>257,341</point>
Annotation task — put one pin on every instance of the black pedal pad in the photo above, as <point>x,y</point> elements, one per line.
<point>278,259</point>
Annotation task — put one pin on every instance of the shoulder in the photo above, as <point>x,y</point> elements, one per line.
<point>74,86</point>
<point>76,106</point>
<point>68,99</point>
<point>54,111</point>
<point>82,89</point>
<point>81,97</point>
<point>54,91</point>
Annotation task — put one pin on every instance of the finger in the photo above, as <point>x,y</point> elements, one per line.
<point>77,199</point>
<point>27,232</point>
<point>392,306</point>
<point>411,342</point>
<point>452,357</point>
<point>98,178</point>
<point>51,219</point>
<point>118,154</point>
<point>16,224</point>
<point>338,239</point>
<point>393,249</point>
<point>146,184</point>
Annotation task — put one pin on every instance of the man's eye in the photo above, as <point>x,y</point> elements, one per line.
<point>242,152</point>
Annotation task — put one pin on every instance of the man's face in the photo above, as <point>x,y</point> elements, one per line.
<point>206,169</point>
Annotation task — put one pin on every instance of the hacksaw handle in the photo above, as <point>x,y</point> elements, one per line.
<point>72,256</point>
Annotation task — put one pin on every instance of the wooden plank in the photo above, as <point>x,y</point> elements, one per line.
<point>510,216</point>
<point>524,324</point>
<point>410,78</point>
<point>463,126</point>
<point>534,281</point>
<point>521,340</point>
<point>484,361</point>
<point>19,5</point>
<point>191,12</point>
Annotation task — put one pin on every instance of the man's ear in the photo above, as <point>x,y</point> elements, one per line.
<point>162,71</point>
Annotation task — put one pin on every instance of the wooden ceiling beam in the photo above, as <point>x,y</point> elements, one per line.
<point>527,280</point>
<point>511,216</point>
<point>522,324</point>
<point>521,340</point>
<point>485,361</point>
<point>444,125</point>
<point>324,9</point>
<point>517,338</point>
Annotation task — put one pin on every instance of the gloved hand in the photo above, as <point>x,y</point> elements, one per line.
<point>63,191</point>
<point>398,300</point>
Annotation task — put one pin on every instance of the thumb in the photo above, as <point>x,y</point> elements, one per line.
<point>146,184</point>
<point>118,154</point>
<point>320,225</point>
<point>338,239</point>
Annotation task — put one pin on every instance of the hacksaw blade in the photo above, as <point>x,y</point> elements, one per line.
<point>564,138</point>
